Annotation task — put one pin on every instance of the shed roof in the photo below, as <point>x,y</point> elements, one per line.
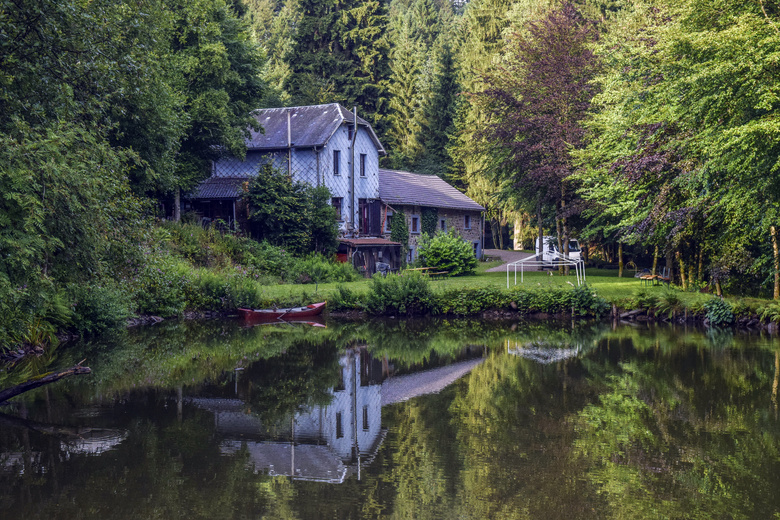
<point>414,189</point>
<point>219,188</point>
<point>310,126</point>
<point>365,242</point>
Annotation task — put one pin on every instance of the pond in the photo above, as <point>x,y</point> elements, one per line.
<point>399,419</point>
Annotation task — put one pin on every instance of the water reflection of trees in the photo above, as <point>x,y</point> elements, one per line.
<point>643,422</point>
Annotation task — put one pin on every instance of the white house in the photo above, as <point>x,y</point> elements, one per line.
<point>320,145</point>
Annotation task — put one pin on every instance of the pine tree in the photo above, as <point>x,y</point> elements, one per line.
<point>339,55</point>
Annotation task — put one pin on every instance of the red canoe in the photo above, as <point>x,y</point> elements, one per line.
<point>289,313</point>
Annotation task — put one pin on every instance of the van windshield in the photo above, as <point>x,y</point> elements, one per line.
<point>573,246</point>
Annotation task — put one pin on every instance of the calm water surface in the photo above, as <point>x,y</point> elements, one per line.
<point>399,419</point>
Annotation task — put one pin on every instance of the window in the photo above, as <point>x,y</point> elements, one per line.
<point>467,222</point>
<point>337,202</point>
<point>411,256</point>
<point>339,427</point>
<point>350,128</point>
<point>336,162</point>
<point>443,225</point>
<point>362,165</point>
<point>363,216</point>
<point>415,225</point>
<point>365,418</point>
<point>388,216</point>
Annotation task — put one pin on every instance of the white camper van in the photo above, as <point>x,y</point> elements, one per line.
<point>551,253</point>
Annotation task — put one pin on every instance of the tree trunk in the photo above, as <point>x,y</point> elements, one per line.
<point>177,205</point>
<point>682,271</point>
<point>45,379</point>
<point>541,229</point>
<point>776,253</point>
<point>620,259</point>
<point>655,260</point>
<point>670,265</point>
<point>699,275</point>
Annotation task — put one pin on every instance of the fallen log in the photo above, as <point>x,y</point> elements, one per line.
<point>41,380</point>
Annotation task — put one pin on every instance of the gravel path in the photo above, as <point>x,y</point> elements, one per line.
<point>506,257</point>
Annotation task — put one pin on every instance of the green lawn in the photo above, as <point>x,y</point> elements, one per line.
<point>605,282</point>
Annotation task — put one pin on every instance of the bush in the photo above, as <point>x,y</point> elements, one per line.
<point>719,312</point>
<point>447,252</point>
<point>159,288</point>
<point>346,299</point>
<point>408,293</point>
<point>98,308</point>
<point>318,269</point>
<point>473,300</point>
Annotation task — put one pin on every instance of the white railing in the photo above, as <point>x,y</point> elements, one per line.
<point>558,260</point>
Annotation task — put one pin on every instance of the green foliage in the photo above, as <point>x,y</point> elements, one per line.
<point>718,312</point>
<point>407,293</point>
<point>770,312</point>
<point>318,269</point>
<point>447,252</point>
<point>429,220</point>
<point>346,299</point>
<point>98,308</point>
<point>399,229</point>
<point>293,215</point>
<point>469,301</point>
<point>159,287</point>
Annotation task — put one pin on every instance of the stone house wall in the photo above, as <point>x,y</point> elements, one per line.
<point>455,219</point>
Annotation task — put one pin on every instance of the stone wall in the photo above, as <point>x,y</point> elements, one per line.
<point>455,219</point>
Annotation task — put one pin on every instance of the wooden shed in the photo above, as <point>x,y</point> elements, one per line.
<point>364,253</point>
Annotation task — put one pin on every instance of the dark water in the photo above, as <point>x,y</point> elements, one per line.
<point>400,419</point>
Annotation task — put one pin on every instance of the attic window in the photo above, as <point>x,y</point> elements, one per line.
<point>349,132</point>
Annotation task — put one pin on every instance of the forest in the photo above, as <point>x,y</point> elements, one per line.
<point>647,129</point>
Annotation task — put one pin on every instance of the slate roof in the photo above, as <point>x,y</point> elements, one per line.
<point>414,189</point>
<point>310,126</point>
<point>219,188</point>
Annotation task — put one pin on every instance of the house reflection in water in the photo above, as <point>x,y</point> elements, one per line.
<point>325,443</point>
<point>330,442</point>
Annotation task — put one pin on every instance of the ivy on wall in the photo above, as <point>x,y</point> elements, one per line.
<point>429,220</point>
<point>399,229</point>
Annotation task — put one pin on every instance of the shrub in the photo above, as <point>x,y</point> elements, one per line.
<point>447,252</point>
<point>346,299</point>
<point>473,300</point>
<point>409,293</point>
<point>318,269</point>
<point>585,302</point>
<point>98,308</point>
<point>160,285</point>
<point>719,312</point>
